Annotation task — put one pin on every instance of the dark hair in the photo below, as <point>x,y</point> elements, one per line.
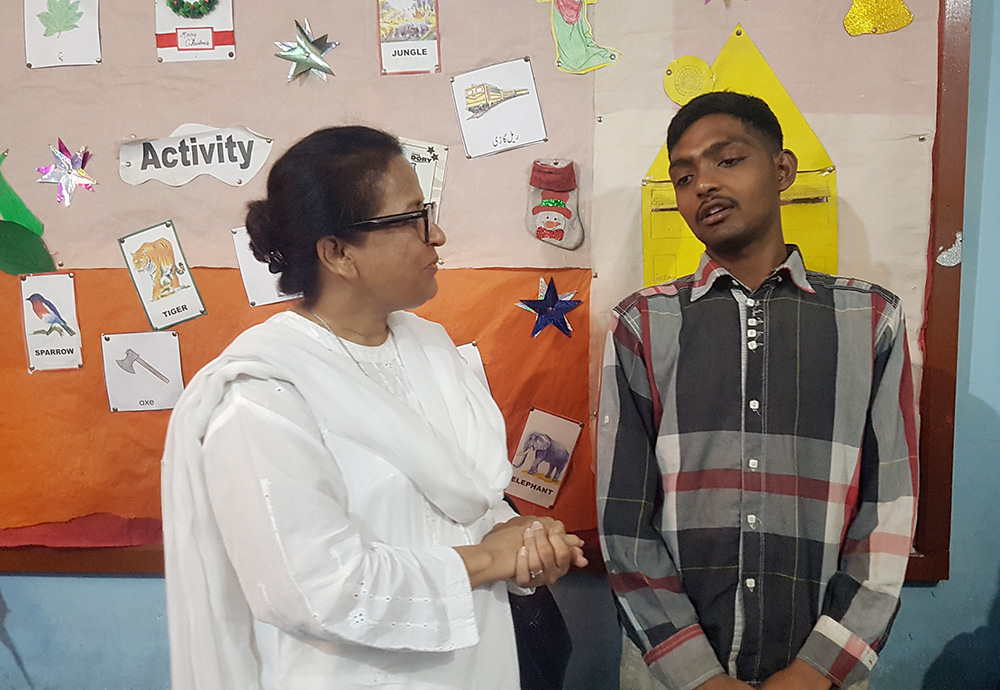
<point>753,112</point>
<point>328,180</point>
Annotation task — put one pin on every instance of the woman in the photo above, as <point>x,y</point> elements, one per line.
<point>332,482</point>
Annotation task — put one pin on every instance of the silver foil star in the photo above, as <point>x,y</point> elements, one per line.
<point>67,172</point>
<point>306,53</point>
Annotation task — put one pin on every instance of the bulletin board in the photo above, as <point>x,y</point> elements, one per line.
<point>870,99</point>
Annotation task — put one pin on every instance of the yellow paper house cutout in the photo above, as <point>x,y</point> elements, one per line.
<point>809,206</point>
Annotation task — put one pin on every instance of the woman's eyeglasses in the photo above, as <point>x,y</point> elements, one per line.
<point>424,217</point>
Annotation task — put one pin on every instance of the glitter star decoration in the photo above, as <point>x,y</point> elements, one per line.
<point>306,53</point>
<point>67,172</point>
<point>550,308</point>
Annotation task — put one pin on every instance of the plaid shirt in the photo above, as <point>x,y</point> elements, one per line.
<point>757,473</point>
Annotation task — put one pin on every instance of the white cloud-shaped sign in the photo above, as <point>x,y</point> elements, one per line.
<point>233,155</point>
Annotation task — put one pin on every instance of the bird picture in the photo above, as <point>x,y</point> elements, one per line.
<point>50,316</point>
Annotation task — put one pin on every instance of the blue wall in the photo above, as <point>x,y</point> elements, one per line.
<point>948,636</point>
<point>110,633</point>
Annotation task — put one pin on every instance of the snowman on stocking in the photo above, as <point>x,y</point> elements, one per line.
<point>553,202</point>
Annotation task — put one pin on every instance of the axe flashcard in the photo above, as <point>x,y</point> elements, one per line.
<point>142,371</point>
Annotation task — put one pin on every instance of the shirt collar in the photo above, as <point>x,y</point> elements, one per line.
<point>709,271</point>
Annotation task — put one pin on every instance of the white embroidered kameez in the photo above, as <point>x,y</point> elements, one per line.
<point>318,553</point>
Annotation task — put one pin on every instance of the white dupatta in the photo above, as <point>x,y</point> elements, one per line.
<point>455,455</point>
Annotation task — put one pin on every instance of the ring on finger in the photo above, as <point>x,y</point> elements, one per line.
<point>535,573</point>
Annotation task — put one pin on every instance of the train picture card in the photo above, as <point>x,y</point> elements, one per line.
<point>51,329</point>
<point>161,276</point>
<point>541,458</point>
<point>498,108</point>
<point>260,284</point>
<point>142,371</point>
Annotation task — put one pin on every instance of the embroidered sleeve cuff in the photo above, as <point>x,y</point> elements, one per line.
<point>685,660</point>
<point>837,653</point>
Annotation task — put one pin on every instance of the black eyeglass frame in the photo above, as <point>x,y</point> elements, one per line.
<point>396,219</point>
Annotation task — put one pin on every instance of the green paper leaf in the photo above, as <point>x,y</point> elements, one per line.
<point>22,251</point>
<point>13,209</point>
<point>62,16</point>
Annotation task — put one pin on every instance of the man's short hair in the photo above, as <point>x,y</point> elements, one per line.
<point>753,112</point>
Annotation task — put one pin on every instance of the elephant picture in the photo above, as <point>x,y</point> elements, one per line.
<point>546,449</point>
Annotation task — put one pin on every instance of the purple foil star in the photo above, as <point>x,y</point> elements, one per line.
<point>67,172</point>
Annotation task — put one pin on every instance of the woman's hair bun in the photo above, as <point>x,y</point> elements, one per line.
<point>263,236</point>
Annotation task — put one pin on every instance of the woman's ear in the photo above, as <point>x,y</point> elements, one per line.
<point>334,256</point>
<point>787,166</point>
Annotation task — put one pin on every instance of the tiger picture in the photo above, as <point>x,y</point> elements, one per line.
<point>157,259</point>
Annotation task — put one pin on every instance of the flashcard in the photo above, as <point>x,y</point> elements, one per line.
<point>498,108</point>
<point>542,456</point>
<point>261,285</point>
<point>61,32</point>
<point>161,276</point>
<point>51,329</point>
<point>408,36</point>
<point>142,371</point>
<point>194,30</point>
<point>470,353</point>
<point>428,160</point>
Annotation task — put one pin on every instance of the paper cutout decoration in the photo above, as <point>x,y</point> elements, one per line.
<point>67,172</point>
<point>408,36</point>
<point>13,209</point>
<point>61,32</point>
<point>22,251</point>
<point>498,108</point>
<point>142,371</point>
<point>952,256</point>
<point>542,457</point>
<point>877,17</point>
<point>470,353</point>
<point>809,206</point>
<point>306,53</point>
<point>161,276</point>
<point>687,77</point>
<point>428,160</point>
<point>182,38</point>
<point>233,154</point>
<point>576,51</point>
<point>51,328</point>
<point>554,216</point>
<point>550,308</point>
<point>260,284</point>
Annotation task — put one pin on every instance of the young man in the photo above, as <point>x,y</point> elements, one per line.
<point>757,449</point>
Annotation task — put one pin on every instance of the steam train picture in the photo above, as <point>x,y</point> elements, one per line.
<point>481,98</point>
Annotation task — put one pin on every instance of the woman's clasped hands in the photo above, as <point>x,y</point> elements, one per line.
<point>538,548</point>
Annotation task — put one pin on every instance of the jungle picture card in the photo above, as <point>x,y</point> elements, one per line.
<point>498,108</point>
<point>188,30</point>
<point>541,457</point>
<point>408,36</point>
<point>260,284</point>
<point>61,32</point>
<point>161,275</point>
<point>428,161</point>
<point>51,328</point>
<point>142,371</point>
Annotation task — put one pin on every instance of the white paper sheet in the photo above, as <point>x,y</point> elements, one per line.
<point>179,39</point>
<point>51,328</point>
<point>142,371</point>
<point>261,285</point>
<point>61,32</point>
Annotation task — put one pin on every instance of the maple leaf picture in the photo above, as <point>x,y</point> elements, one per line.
<point>62,15</point>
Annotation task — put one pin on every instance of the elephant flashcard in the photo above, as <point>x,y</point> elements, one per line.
<point>542,457</point>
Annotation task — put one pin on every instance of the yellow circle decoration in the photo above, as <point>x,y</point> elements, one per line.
<point>876,17</point>
<point>687,77</point>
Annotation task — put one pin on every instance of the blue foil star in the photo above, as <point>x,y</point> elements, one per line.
<point>551,309</point>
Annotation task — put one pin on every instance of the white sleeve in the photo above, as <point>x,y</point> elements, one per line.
<point>279,502</point>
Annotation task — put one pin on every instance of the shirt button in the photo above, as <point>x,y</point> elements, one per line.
<point>751,321</point>
<point>753,463</point>
<point>752,333</point>
<point>751,583</point>
<point>754,405</point>
<point>751,302</point>
<point>751,520</point>
<point>752,344</point>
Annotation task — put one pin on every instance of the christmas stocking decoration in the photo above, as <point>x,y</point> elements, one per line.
<point>553,203</point>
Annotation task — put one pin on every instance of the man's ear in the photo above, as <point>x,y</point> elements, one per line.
<point>335,256</point>
<point>787,166</point>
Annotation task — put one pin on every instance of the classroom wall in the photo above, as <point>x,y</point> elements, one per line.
<point>110,633</point>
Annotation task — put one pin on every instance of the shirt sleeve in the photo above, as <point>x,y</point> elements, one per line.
<point>304,566</point>
<point>862,597</point>
<point>654,610</point>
